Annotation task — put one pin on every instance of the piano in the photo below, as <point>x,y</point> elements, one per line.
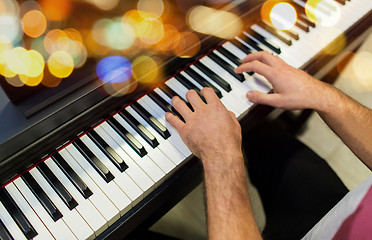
<point>105,167</point>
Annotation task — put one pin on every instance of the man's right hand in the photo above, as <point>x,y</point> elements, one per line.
<point>293,88</point>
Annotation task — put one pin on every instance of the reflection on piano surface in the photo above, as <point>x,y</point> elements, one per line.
<point>89,165</point>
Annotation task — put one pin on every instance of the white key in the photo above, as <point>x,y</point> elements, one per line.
<point>10,224</point>
<point>159,114</point>
<point>121,179</point>
<point>42,231</point>
<point>99,199</point>
<point>145,163</point>
<point>85,208</point>
<point>133,171</point>
<point>165,145</point>
<point>72,219</point>
<point>228,97</point>
<point>112,191</point>
<point>58,229</point>
<point>154,153</point>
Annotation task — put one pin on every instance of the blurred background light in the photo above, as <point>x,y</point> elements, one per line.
<point>34,23</point>
<point>60,64</point>
<point>218,23</point>
<point>31,81</point>
<point>187,46</point>
<point>9,7</point>
<point>15,81</point>
<point>37,64</point>
<point>56,10</point>
<point>114,69</point>
<point>154,7</point>
<point>10,27</point>
<point>283,16</point>
<point>145,69</point>
<point>361,65</point>
<point>18,60</point>
<point>105,5</point>
<point>324,12</point>
<point>118,35</point>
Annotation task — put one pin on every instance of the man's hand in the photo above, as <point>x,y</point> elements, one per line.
<point>214,135</point>
<point>293,88</point>
<point>208,130</point>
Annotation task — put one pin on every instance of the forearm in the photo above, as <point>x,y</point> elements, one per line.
<point>351,121</point>
<point>229,210</point>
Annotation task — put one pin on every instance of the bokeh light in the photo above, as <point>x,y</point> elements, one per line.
<point>361,65</point>
<point>34,23</point>
<point>37,64</point>
<point>324,12</point>
<point>145,69</point>
<point>187,46</point>
<point>114,69</point>
<point>31,81</point>
<point>154,7</point>
<point>105,5</point>
<point>280,14</point>
<point>56,10</point>
<point>15,81</point>
<point>9,7</point>
<point>60,64</point>
<point>218,23</point>
<point>283,16</point>
<point>18,60</point>
<point>10,27</point>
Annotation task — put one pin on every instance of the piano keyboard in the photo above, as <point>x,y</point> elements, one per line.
<point>85,187</point>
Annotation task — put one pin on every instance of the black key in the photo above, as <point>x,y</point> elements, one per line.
<point>170,93</point>
<point>160,128</point>
<point>213,76</point>
<point>17,214</point>
<point>234,59</point>
<point>262,40</point>
<point>204,83</point>
<point>306,20</point>
<point>57,186</point>
<point>133,143</point>
<point>274,32</point>
<point>301,25</point>
<point>4,233</point>
<point>164,104</point>
<point>108,151</point>
<point>341,1</point>
<point>250,42</point>
<point>226,66</point>
<point>72,176</point>
<point>41,196</point>
<point>139,128</point>
<point>241,46</point>
<point>185,82</point>
<point>93,160</point>
<point>292,34</point>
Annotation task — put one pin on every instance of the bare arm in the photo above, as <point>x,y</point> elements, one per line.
<point>213,134</point>
<point>294,89</point>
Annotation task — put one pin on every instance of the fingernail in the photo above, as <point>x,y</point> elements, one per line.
<point>249,95</point>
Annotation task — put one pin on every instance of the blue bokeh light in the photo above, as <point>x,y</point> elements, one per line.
<point>114,69</point>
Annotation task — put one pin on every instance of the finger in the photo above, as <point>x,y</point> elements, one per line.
<point>174,121</point>
<point>264,98</point>
<point>181,108</point>
<point>262,56</point>
<point>257,67</point>
<point>194,99</point>
<point>209,95</point>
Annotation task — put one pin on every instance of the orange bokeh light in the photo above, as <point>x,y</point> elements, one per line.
<point>188,45</point>
<point>56,10</point>
<point>34,23</point>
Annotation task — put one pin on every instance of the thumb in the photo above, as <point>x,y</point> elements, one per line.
<point>263,98</point>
